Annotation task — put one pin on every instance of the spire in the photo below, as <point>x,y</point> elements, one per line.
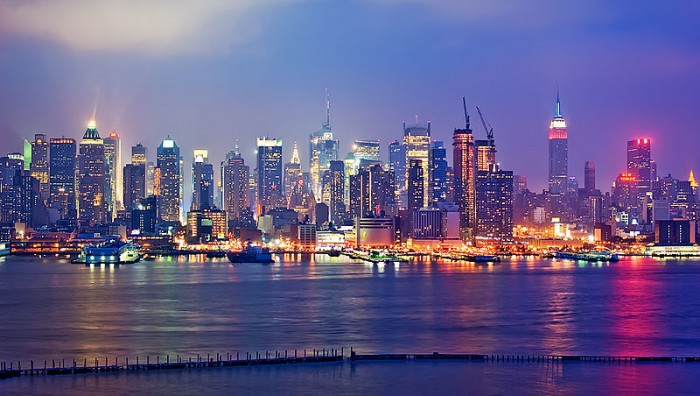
<point>557,106</point>
<point>295,154</point>
<point>237,149</point>
<point>91,132</point>
<point>327,124</point>
<point>691,179</point>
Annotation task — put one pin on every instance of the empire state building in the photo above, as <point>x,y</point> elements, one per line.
<point>558,152</point>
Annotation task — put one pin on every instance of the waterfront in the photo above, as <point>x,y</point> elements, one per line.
<point>54,310</point>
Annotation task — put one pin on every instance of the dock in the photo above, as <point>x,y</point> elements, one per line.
<point>105,365</point>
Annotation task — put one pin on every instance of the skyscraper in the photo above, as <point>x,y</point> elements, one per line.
<point>323,149</point>
<point>365,153</point>
<point>337,192</point>
<point>202,181</point>
<point>485,154</point>
<point>639,164</point>
<point>39,165</point>
<point>416,139</point>
<point>139,154</point>
<point>235,177</point>
<point>269,174</point>
<point>416,184</point>
<point>113,163</point>
<point>438,170</point>
<point>168,181</point>
<point>292,172</point>
<point>134,185</point>
<point>92,203</point>
<point>397,164</point>
<point>464,178</point>
<point>558,152</point>
<point>62,176</point>
<point>589,177</point>
<point>494,203</point>
<point>371,192</point>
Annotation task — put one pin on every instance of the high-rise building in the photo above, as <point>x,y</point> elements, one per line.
<point>371,192</point>
<point>39,165</point>
<point>558,152</point>
<point>269,169</point>
<point>624,195</point>
<point>464,178</point>
<point>62,176</point>
<point>113,164</point>
<point>168,181</point>
<point>438,171</point>
<point>589,177</point>
<point>365,153</point>
<point>134,185</point>
<point>416,139</point>
<point>416,184</point>
<point>639,164</point>
<point>292,172</point>
<point>235,177</point>
<point>26,155</point>
<point>337,192</point>
<point>144,215</point>
<point>397,164</point>
<point>139,154</point>
<point>202,181</point>
<point>494,203</point>
<point>323,149</point>
<point>92,202</point>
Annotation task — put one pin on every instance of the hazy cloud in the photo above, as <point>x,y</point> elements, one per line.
<point>144,26</point>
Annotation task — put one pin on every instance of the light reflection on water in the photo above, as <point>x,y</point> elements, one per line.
<point>51,309</point>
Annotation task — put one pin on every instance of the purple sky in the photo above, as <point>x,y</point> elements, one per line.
<point>210,74</point>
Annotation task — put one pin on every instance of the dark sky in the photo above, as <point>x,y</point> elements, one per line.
<point>211,74</point>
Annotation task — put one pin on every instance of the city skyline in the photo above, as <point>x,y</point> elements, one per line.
<point>235,91</point>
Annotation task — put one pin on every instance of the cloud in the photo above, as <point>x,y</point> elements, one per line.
<point>144,26</point>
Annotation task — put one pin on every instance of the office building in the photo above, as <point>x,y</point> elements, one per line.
<point>113,175</point>
<point>39,165</point>
<point>269,170</point>
<point>134,185</point>
<point>323,148</point>
<point>236,176</point>
<point>139,154</point>
<point>464,178</point>
<point>417,142</point>
<point>558,152</point>
<point>168,181</point>
<point>494,204</point>
<point>62,161</point>
<point>92,201</point>
<point>292,173</point>
<point>438,173</point>
<point>202,181</point>
<point>589,177</point>
<point>336,184</point>
<point>639,164</point>
<point>397,164</point>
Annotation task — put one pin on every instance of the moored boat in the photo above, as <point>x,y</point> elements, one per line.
<point>109,252</point>
<point>251,254</point>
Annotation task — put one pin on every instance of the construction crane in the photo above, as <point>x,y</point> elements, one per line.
<point>488,129</point>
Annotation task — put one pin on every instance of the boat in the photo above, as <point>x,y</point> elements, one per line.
<point>109,252</point>
<point>333,252</point>
<point>486,259</point>
<point>251,254</point>
<point>4,248</point>
<point>216,254</point>
<point>591,256</point>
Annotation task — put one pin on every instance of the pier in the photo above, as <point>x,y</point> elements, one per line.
<point>104,365</point>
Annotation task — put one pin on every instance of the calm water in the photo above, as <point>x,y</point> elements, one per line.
<point>50,309</point>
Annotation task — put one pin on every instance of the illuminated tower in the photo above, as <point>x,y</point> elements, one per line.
<point>438,173</point>
<point>39,165</point>
<point>235,178</point>
<point>139,154</point>
<point>417,142</point>
<point>639,164</point>
<point>168,181</point>
<point>558,152</point>
<point>92,203</point>
<point>292,172</point>
<point>464,178</point>
<point>397,164</point>
<point>337,192</point>
<point>269,174</point>
<point>62,176</point>
<point>323,149</point>
<point>202,181</point>
<point>113,174</point>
